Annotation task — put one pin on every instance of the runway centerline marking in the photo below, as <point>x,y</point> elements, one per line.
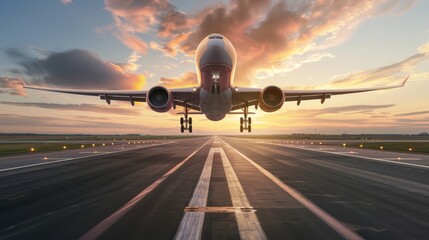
<point>358,156</point>
<point>100,228</point>
<point>248,223</point>
<point>332,222</point>
<point>191,225</point>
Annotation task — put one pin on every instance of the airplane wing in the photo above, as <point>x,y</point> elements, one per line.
<point>243,96</point>
<point>181,95</point>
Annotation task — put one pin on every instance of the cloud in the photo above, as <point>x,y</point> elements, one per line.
<point>66,2</point>
<point>290,65</point>
<point>188,79</point>
<point>132,41</point>
<point>76,107</point>
<point>412,113</point>
<point>55,124</point>
<point>264,32</point>
<point>12,86</point>
<point>131,65</point>
<point>353,119</point>
<point>385,74</point>
<point>77,69</point>
<point>353,109</point>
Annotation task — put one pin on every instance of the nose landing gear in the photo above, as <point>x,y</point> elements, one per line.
<point>186,123</point>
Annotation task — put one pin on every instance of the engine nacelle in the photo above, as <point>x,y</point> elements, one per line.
<point>271,99</point>
<point>159,99</point>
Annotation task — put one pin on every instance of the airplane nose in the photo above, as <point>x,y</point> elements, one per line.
<point>216,54</point>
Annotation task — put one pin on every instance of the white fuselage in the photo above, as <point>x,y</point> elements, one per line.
<point>215,60</point>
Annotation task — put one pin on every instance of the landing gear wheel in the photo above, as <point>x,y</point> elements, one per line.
<point>182,129</point>
<point>190,129</point>
<point>241,121</point>
<point>181,121</point>
<point>241,128</point>
<point>249,128</point>
<point>249,120</point>
<point>190,121</point>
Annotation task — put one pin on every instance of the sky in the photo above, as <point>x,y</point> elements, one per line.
<point>114,44</point>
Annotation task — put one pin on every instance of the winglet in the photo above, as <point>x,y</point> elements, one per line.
<point>405,81</point>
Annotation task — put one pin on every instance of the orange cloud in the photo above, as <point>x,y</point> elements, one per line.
<point>12,86</point>
<point>263,32</point>
<point>188,79</point>
<point>132,41</point>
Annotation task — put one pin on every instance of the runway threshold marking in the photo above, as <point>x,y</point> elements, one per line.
<point>71,159</point>
<point>191,226</point>
<point>219,209</point>
<point>100,228</point>
<point>358,156</point>
<point>332,222</point>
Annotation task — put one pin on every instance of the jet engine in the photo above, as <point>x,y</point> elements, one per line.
<point>159,99</point>
<point>271,99</point>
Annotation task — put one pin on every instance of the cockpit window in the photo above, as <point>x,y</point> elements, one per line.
<point>215,37</point>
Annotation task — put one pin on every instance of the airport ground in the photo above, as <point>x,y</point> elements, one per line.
<point>215,188</point>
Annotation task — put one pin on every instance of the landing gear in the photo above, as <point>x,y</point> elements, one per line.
<point>245,123</point>
<point>186,123</point>
<point>215,88</point>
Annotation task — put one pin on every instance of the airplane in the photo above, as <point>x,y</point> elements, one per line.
<point>215,96</point>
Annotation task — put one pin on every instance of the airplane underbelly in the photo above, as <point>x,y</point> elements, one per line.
<point>215,105</point>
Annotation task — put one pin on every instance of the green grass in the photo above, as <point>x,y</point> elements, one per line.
<point>417,147</point>
<point>55,137</point>
<point>356,137</point>
<point>70,141</point>
<point>15,148</point>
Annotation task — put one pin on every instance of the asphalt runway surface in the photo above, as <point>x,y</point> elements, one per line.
<point>215,188</point>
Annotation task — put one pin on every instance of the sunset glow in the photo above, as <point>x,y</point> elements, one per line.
<point>122,45</point>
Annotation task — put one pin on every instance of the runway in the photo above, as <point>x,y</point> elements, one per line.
<point>215,188</point>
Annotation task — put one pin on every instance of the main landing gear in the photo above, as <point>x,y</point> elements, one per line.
<point>186,123</point>
<point>246,122</point>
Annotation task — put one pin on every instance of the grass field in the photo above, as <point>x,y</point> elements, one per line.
<point>14,148</point>
<point>356,137</point>
<point>55,137</point>
<point>18,144</point>
<point>412,147</point>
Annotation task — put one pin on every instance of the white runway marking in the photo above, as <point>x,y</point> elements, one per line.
<point>95,152</point>
<point>100,228</point>
<point>219,209</point>
<point>363,157</point>
<point>248,223</point>
<point>335,224</point>
<point>399,159</point>
<point>191,226</point>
